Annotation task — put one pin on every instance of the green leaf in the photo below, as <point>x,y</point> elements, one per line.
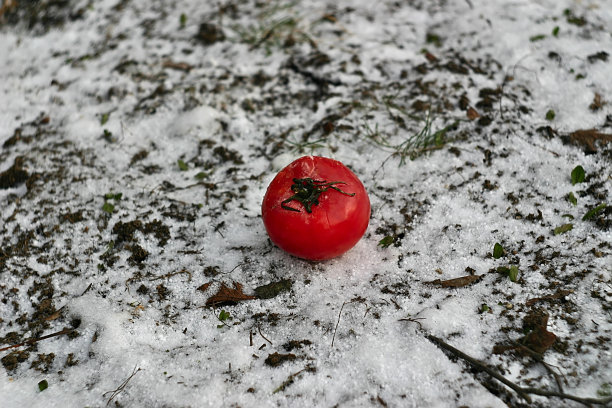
<point>569,216</point>
<point>555,31</point>
<point>563,229</point>
<point>104,118</point>
<point>183,20</point>
<point>537,37</point>
<point>386,241</point>
<point>605,390</point>
<point>201,175</point>
<point>108,136</point>
<point>593,212</point>
<point>498,251</point>
<point>182,165</point>
<point>484,308</point>
<point>113,196</point>
<point>504,270</point>
<point>578,175</point>
<point>108,207</point>
<point>223,316</point>
<point>43,385</point>
<point>550,115</point>
<point>513,273</point>
<point>572,198</point>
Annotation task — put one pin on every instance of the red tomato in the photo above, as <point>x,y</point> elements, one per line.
<point>316,208</point>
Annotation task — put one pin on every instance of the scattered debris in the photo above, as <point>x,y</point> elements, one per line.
<point>456,282</point>
<point>273,289</point>
<point>276,359</point>
<point>291,379</point>
<point>589,138</point>
<point>14,175</point>
<point>209,34</point>
<point>227,295</point>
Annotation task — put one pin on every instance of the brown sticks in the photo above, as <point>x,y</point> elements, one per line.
<point>32,341</point>
<point>521,391</point>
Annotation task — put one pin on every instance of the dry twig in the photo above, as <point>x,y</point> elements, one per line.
<point>121,387</point>
<point>32,341</point>
<point>521,391</point>
<point>291,378</point>
<point>261,334</point>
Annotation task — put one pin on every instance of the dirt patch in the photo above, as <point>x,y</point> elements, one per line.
<point>277,359</point>
<point>12,360</point>
<point>14,175</point>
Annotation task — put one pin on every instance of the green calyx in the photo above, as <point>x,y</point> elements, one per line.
<point>307,191</point>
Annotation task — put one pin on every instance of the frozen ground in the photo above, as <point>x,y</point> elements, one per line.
<point>138,138</point>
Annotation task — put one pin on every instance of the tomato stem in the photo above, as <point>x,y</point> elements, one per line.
<point>307,191</point>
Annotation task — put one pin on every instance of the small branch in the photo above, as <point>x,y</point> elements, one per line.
<point>292,377</point>
<point>354,300</point>
<point>585,401</point>
<point>540,359</point>
<point>169,275</point>
<point>121,387</point>
<point>337,323</point>
<point>522,392</point>
<point>261,334</point>
<point>413,320</point>
<point>317,80</point>
<point>478,364</point>
<point>32,341</point>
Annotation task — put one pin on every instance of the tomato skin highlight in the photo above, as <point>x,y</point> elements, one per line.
<point>335,224</point>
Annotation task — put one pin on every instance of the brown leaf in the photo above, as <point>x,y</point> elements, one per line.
<point>204,286</point>
<point>588,137</point>
<point>7,6</point>
<point>330,18</point>
<point>597,103</point>
<point>457,282</point>
<point>539,340</point>
<point>228,295</point>
<point>472,113</point>
<point>53,316</point>
<point>549,298</point>
<point>180,66</point>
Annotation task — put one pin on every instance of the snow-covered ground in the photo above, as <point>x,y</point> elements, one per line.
<point>138,138</point>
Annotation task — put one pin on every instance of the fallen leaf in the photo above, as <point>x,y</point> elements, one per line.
<point>53,316</point>
<point>273,289</point>
<point>588,137</point>
<point>181,66</point>
<point>329,18</point>
<point>539,340</point>
<point>276,359</point>
<point>457,282</point>
<point>559,294</point>
<point>204,286</point>
<point>228,295</point>
<point>472,113</point>
<point>597,103</point>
